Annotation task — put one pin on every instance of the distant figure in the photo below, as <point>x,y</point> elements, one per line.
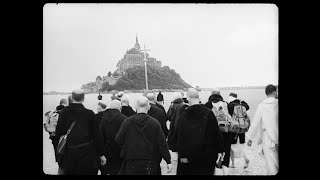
<point>143,143</point>
<point>160,99</point>
<point>110,124</point>
<point>84,141</point>
<point>199,140</point>
<point>157,113</point>
<point>52,120</point>
<point>267,118</point>
<point>235,136</point>
<point>175,110</point>
<point>100,97</point>
<point>220,109</point>
<point>126,108</point>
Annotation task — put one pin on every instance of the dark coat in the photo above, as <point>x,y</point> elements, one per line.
<point>111,121</point>
<point>159,115</point>
<point>98,117</point>
<point>162,108</point>
<point>80,160</point>
<point>127,111</point>
<point>213,98</point>
<point>175,110</point>
<point>128,138</point>
<point>199,138</point>
<point>160,97</point>
<point>237,101</point>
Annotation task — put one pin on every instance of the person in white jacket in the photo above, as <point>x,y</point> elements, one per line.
<point>266,119</point>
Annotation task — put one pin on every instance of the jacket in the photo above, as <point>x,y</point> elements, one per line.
<point>110,124</point>
<point>198,136</point>
<point>85,129</point>
<point>266,117</point>
<point>175,110</point>
<point>233,103</point>
<point>129,138</point>
<point>127,111</point>
<point>159,115</point>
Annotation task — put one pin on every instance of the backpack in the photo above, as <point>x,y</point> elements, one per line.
<point>220,110</point>
<point>51,123</point>
<point>240,119</point>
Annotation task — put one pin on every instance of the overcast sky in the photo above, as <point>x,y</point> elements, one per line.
<point>209,45</point>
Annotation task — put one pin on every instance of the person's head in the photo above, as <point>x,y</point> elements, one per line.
<point>193,96</point>
<point>115,104</point>
<point>64,102</point>
<point>232,97</point>
<point>113,97</point>
<point>177,95</point>
<point>142,105</point>
<point>120,94</point>
<point>69,99</point>
<point>271,91</point>
<point>101,106</point>
<point>215,91</point>
<point>77,96</point>
<point>151,97</point>
<point>125,100</point>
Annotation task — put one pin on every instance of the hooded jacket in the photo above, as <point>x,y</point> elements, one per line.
<point>214,98</point>
<point>198,136</point>
<point>141,134</point>
<point>110,124</point>
<point>175,110</point>
<point>127,111</point>
<point>266,116</point>
<point>159,115</point>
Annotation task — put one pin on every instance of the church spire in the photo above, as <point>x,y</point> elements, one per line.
<point>137,45</point>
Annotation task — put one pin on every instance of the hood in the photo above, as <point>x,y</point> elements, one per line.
<point>153,109</point>
<point>195,112</point>
<point>59,108</point>
<point>270,103</point>
<point>215,98</point>
<point>111,114</point>
<point>179,100</point>
<point>140,121</point>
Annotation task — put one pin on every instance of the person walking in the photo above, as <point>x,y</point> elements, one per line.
<point>53,122</point>
<point>267,118</point>
<point>84,142</point>
<point>160,99</point>
<point>199,140</point>
<point>126,108</point>
<point>110,124</point>
<point>143,143</point>
<point>157,113</point>
<point>238,140</point>
<point>217,100</point>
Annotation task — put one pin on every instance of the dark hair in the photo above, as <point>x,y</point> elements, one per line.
<point>77,97</point>
<point>270,89</point>
<point>233,95</point>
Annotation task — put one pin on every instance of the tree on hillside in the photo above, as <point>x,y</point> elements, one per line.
<point>98,78</point>
<point>109,73</point>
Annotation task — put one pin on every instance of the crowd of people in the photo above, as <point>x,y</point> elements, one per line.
<point>120,140</point>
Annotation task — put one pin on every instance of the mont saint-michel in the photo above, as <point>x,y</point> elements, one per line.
<point>130,74</point>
